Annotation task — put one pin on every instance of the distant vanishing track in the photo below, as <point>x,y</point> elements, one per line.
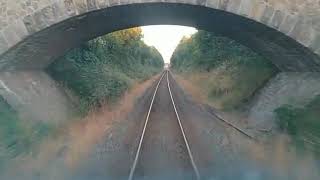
<point>142,137</point>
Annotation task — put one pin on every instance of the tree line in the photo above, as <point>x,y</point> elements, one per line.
<point>104,68</point>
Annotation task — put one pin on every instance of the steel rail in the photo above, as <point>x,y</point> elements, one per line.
<point>226,122</point>
<point>133,168</point>
<point>182,130</point>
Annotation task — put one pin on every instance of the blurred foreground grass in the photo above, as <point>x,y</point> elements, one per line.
<point>18,136</point>
<point>302,124</point>
<point>97,73</point>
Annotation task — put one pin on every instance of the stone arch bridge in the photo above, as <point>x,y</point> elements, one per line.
<point>33,33</point>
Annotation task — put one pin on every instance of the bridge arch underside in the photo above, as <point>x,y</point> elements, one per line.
<point>40,49</point>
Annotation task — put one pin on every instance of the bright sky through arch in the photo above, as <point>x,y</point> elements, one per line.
<point>165,37</point>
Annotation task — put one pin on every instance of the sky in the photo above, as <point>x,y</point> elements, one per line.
<point>165,38</point>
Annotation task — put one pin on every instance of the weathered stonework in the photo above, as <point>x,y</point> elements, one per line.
<point>223,4</point>
<point>36,96</point>
<point>212,4</point>
<point>3,44</point>
<point>267,14</point>
<point>81,6</point>
<point>35,32</point>
<point>277,19</point>
<point>246,8</point>
<point>15,33</point>
<point>12,10</point>
<point>302,32</point>
<point>295,89</point>
<point>258,10</point>
<point>317,51</point>
<point>114,2</point>
<point>288,23</point>
<point>92,5</point>
<point>102,3</point>
<point>20,19</point>
<point>233,6</point>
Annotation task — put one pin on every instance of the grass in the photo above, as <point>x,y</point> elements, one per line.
<point>102,69</point>
<point>227,88</point>
<point>18,136</point>
<point>233,85</point>
<point>99,71</point>
<point>302,124</point>
<point>226,72</point>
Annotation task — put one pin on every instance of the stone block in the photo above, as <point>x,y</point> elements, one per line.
<point>295,89</point>
<point>315,42</point>
<point>318,52</point>
<point>288,23</point>
<point>125,2</point>
<point>223,4</point>
<point>11,36</point>
<point>257,10</point>
<point>92,5</point>
<point>170,1</point>
<point>34,95</point>
<point>103,3</point>
<point>277,19</point>
<point>200,2</point>
<point>36,22</point>
<point>15,33</point>
<point>114,2</point>
<point>246,7</point>
<point>267,14</point>
<point>3,44</point>
<point>143,1</point>
<point>302,32</point>
<point>49,15</point>
<point>316,22</point>
<point>21,29</point>
<point>70,7</point>
<point>233,6</point>
<point>30,24</point>
<point>60,11</point>
<point>40,20</point>
<point>81,6</point>
<point>213,4</point>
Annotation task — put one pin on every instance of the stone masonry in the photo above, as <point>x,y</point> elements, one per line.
<point>299,19</point>
<point>35,32</point>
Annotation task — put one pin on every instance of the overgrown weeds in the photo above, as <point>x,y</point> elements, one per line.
<point>103,69</point>
<point>226,71</point>
<point>302,124</point>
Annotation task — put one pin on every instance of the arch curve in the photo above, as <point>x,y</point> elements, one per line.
<point>43,30</point>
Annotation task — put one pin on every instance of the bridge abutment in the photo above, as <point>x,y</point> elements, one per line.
<point>286,88</point>
<point>35,96</point>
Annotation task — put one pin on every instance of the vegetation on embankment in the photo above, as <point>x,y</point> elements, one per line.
<point>18,136</point>
<point>226,72</point>
<point>302,124</point>
<point>99,71</point>
<point>104,68</point>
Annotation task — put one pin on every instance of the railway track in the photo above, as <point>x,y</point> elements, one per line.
<point>164,76</point>
<point>228,123</point>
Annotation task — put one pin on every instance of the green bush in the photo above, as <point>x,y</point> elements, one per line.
<point>97,71</point>
<point>18,136</point>
<point>287,118</point>
<point>205,51</point>
<point>104,68</point>
<point>303,124</point>
<point>233,72</point>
